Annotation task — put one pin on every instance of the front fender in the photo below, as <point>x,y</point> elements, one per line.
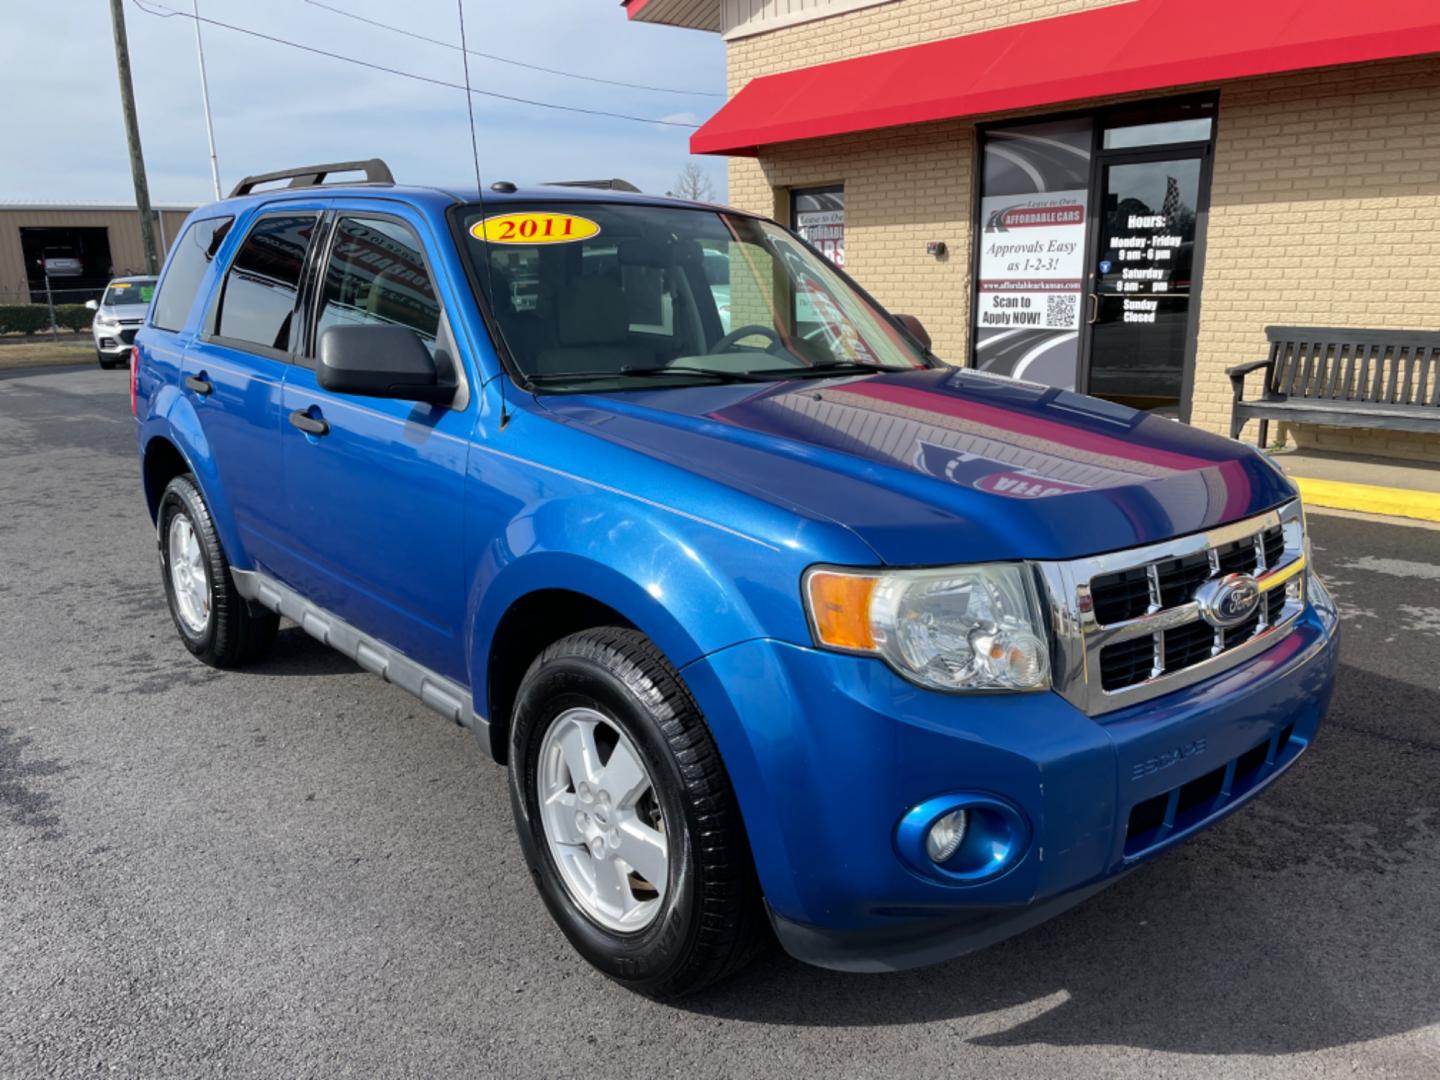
<point>172,417</point>
<point>689,593</point>
<point>574,573</point>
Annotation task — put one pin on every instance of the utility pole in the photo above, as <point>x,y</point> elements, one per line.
<point>205,100</point>
<point>132,136</point>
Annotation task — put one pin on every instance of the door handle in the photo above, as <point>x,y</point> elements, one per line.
<point>311,425</point>
<point>1094,309</point>
<point>199,384</point>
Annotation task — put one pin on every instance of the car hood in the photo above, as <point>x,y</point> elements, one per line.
<point>946,465</point>
<point>123,311</point>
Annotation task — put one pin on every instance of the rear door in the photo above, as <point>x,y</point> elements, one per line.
<point>235,370</point>
<point>172,325</point>
<point>375,503</point>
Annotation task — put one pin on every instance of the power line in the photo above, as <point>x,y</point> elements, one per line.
<point>169,12</point>
<point>507,60</point>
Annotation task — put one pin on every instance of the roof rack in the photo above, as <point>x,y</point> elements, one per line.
<point>375,170</point>
<point>615,184</point>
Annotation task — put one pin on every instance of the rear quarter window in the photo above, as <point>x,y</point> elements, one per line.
<point>194,252</point>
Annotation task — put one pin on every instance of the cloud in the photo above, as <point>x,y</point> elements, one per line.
<point>274,106</point>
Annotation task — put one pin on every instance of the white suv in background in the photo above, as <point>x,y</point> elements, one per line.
<point>118,314</point>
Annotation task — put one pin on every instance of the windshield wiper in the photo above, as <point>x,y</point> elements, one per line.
<point>642,373</point>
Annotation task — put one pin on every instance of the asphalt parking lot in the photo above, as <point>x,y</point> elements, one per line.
<point>298,871</point>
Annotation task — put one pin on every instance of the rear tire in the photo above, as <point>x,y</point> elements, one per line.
<point>214,621</point>
<point>703,920</point>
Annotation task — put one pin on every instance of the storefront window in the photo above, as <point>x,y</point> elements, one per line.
<point>818,215</point>
<point>1169,131</point>
<point>1034,195</point>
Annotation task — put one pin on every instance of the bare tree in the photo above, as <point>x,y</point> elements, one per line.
<point>692,183</point>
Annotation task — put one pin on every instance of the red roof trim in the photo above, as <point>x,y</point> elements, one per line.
<point>1126,48</point>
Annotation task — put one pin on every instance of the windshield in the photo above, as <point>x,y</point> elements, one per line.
<point>128,292</point>
<point>594,296</point>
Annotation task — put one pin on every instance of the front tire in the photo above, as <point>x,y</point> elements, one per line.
<point>627,818</point>
<point>100,358</point>
<point>214,621</point>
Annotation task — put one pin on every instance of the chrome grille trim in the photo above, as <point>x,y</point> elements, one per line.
<point>1079,637</point>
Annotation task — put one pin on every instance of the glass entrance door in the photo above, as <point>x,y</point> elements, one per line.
<point>1141,277</point>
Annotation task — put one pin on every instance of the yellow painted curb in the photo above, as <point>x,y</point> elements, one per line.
<point>1370,499</point>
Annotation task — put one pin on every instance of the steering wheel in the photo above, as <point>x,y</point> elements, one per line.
<point>740,333</point>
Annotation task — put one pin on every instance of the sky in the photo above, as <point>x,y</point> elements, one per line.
<point>275,107</point>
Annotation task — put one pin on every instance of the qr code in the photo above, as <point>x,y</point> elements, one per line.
<point>1060,311</point>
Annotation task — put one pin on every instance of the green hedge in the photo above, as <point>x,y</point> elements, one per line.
<point>75,317</point>
<point>30,318</point>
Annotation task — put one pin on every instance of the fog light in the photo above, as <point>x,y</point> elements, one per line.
<point>945,835</point>
<point>962,838</point>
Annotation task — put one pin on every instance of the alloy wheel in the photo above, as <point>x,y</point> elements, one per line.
<point>602,821</point>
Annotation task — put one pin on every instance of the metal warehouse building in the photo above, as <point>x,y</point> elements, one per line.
<point>104,239</point>
<point>1114,196</point>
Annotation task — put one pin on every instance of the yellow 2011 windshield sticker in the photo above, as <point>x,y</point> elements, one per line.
<point>529,227</point>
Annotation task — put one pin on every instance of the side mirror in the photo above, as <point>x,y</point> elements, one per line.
<point>93,305</point>
<point>380,361</point>
<point>915,329</point>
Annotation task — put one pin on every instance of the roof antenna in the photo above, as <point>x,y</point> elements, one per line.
<point>485,272</point>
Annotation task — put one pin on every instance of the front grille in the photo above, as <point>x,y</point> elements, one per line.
<point>128,336</point>
<point>1274,546</point>
<point>1168,585</point>
<point>1180,809</point>
<point>1126,663</point>
<point>1122,596</point>
<point>1234,635</point>
<point>1126,594</point>
<point>1179,578</point>
<point>1134,623</point>
<point>1188,644</point>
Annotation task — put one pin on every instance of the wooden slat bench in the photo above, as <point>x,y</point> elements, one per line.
<point>1344,378</point>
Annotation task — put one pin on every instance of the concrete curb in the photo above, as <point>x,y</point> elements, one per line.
<point>1370,499</point>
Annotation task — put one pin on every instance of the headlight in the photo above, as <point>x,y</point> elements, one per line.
<point>956,628</point>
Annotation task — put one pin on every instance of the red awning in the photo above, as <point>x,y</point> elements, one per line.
<point>1124,49</point>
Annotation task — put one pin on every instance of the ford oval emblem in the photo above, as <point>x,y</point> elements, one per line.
<point>1228,601</point>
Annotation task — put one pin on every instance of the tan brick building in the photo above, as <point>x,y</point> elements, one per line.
<point>1127,191</point>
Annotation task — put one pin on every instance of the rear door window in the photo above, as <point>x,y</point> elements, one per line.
<point>194,252</point>
<point>377,274</point>
<point>257,301</point>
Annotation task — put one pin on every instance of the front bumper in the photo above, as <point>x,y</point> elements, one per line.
<point>827,752</point>
<point>114,341</point>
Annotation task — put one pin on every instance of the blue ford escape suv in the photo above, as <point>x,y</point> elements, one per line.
<point>773,617</point>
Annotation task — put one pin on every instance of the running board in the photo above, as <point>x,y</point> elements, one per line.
<point>445,696</point>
